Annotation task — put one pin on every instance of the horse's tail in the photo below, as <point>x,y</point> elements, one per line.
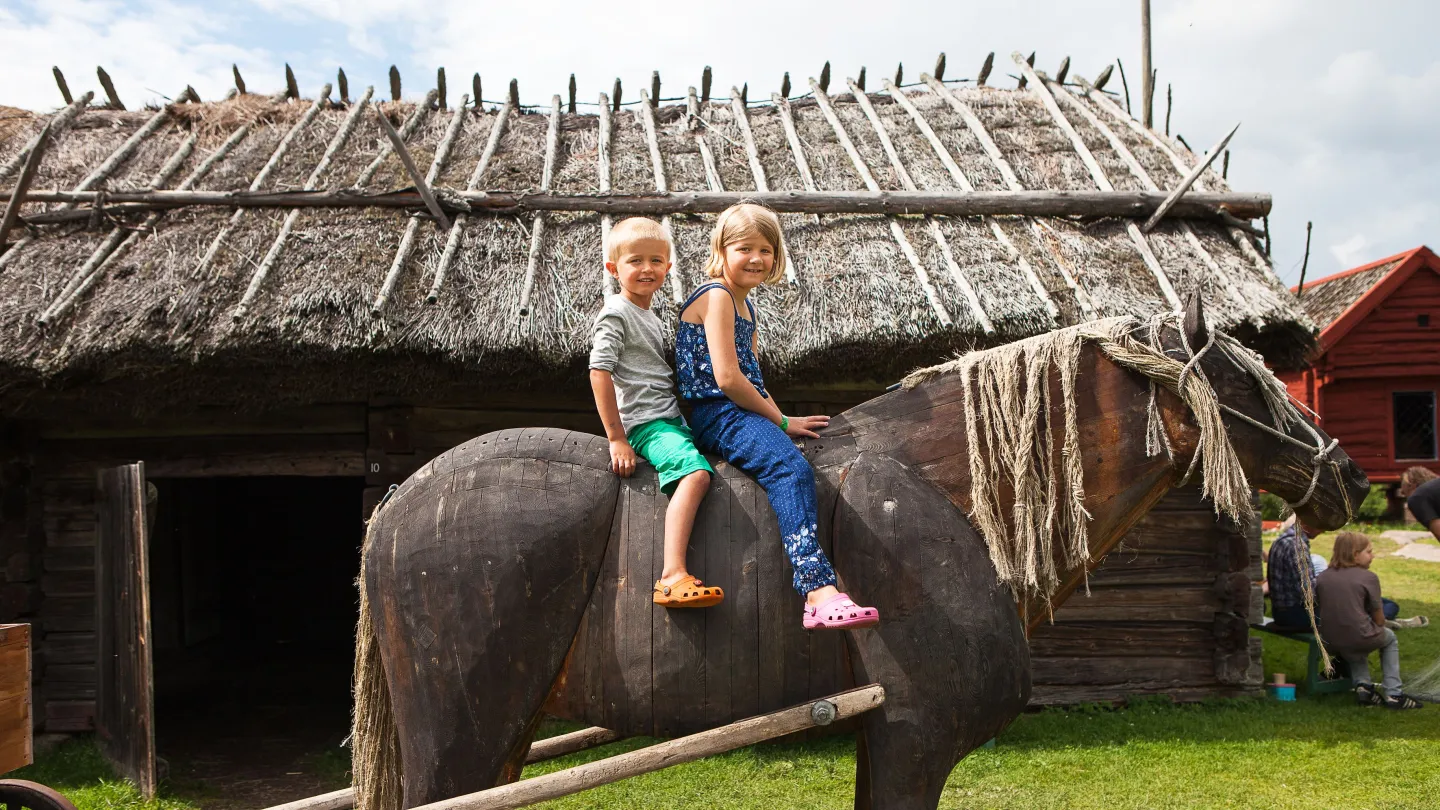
<point>374,740</point>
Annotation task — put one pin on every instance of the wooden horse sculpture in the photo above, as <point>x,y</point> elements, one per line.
<point>512,574</point>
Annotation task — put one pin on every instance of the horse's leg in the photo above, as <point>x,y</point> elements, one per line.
<point>488,575</point>
<point>950,650</point>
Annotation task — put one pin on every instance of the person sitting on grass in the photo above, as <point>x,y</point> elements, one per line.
<point>1347,604</point>
<point>1290,574</point>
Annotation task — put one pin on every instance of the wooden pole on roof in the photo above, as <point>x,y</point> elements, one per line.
<point>407,242</point>
<point>1024,78</point>
<point>117,234</point>
<point>705,79</point>
<point>281,149</point>
<point>785,85</point>
<point>607,283</point>
<point>147,227</point>
<point>276,247</point>
<point>985,69</point>
<point>292,88</point>
<point>1169,103</point>
<point>537,230</point>
<point>414,171</point>
<point>457,230</point>
<point>797,151</point>
<point>1188,181</point>
<point>1125,85</point>
<point>860,79</point>
<point>939,72</point>
<point>898,233</point>
<point>440,88</point>
<point>1142,245</point>
<point>1147,88</point>
<point>239,80</point>
<point>407,130</point>
<point>109,88</point>
<point>475,93</point>
<point>102,172</point>
<point>344,84</point>
<point>615,95</point>
<point>1225,166</point>
<point>1148,182</point>
<point>57,124</point>
<point>825,77</point>
<point>514,94</point>
<point>957,273</point>
<point>1012,181</point>
<point>1063,71</point>
<point>570,108</point>
<point>752,152</point>
<point>707,157</point>
<point>655,89</point>
<point>64,88</point>
<point>1104,76</point>
<point>646,114</point>
<point>1304,263</point>
<point>900,73</point>
<point>394,83</point>
<point>27,174</point>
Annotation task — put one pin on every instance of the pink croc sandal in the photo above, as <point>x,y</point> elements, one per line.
<point>839,612</point>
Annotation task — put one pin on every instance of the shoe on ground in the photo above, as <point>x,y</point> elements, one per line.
<point>1402,701</point>
<point>1367,695</point>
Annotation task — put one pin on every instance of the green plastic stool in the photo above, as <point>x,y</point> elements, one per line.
<point>1315,681</point>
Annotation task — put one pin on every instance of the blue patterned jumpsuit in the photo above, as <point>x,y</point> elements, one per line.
<point>753,443</point>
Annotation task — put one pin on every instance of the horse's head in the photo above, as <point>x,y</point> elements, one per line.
<point>1279,448</point>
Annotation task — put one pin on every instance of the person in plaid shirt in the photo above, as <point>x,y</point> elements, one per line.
<point>1289,561</point>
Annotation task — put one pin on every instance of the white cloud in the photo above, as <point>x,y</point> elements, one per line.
<point>1353,251</point>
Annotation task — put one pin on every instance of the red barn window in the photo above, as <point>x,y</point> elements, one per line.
<point>1414,421</point>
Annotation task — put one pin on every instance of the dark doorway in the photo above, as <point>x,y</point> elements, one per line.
<point>253,608</point>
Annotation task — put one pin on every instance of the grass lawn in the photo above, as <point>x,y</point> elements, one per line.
<point>1315,753</point>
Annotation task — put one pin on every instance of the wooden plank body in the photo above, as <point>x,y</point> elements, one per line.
<point>125,712</point>
<point>16,716</point>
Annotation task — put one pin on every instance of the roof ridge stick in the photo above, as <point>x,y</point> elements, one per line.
<point>102,172</point>
<point>260,178</point>
<point>148,226</point>
<point>965,185</point>
<point>457,227</point>
<point>646,114</point>
<point>57,124</point>
<point>1012,181</point>
<point>1141,242</point>
<point>957,274</point>
<point>1237,236</point>
<point>118,234</point>
<point>797,150</point>
<point>823,100</point>
<point>707,157</point>
<point>407,130</point>
<point>407,242</point>
<point>537,231</point>
<point>1144,177</point>
<point>276,247</point>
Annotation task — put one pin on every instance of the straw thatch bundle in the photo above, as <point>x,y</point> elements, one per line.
<point>160,318</point>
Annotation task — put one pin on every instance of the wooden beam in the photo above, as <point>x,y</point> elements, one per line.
<point>407,130</point>
<point>281,149</point>
<point>570,107</point>
<point>1144,177</point>
<point>646,114</point>
<point>1188,181</point>
<point>1083,204</point>
<point>27,175</point>
<point>985,69</point>
<point>1012,181</point>
<point>412,227</point>
<point>655,88</point>
<point>705,80</point>
<point>792,136</point>
<point>57,124</point>
<point>440,90</point>
<point>292,88</point>
<point>537,229</point>
<point>64,88</point>
<point>147,227</point>
<point>665,754</point>
<point>957,273</point>
<point>109,87</point>
<point>1147,86</point>
<point>1142,245</point>
<point>742,120</point>
<point>707,157</point>
<point>608,284</point>
<point>239,80</point>
<point>898,233</point>
<point>343,83</point>
<point>939,71</point>
<point>452,244</point>
<point>276,247</point>
<point>395,84</point>
<point>118,234</point>
<point>414,171</point>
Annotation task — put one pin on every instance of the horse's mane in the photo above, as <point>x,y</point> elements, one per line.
<point>1007,404</point>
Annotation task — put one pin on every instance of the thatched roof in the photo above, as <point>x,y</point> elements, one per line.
<point>1327,299</point>
<point>856,308</point>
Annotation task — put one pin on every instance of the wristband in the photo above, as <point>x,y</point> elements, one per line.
<point>784,422</point>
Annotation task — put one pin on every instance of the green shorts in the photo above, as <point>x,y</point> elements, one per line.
<point>669,446</point>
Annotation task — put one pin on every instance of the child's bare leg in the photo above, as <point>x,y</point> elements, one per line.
<point>679,521</point>
<point>819,595</point>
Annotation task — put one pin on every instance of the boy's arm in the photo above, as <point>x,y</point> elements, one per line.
<point>622,455</point>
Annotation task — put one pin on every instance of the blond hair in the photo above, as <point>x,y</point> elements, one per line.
<point>634,229</point>
<point>746,221</point>
<point>1414,477</point>
<point>1348,546</point>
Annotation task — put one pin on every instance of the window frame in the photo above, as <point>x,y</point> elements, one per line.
<point>1434,432</point>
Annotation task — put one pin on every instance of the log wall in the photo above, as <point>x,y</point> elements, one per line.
<point>1166,615</point>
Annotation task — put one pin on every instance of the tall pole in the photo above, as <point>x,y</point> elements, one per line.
<point>1147,88</point>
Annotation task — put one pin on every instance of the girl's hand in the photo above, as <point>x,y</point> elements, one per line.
<point>622,458</point>
<point>805,426</point>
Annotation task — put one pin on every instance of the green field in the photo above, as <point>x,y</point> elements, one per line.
<point>1315,753</point>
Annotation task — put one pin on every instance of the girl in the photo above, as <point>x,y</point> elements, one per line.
<point>1347,601</point>
<point>732,414</point>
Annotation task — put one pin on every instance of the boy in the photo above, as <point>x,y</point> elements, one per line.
<point>635,394</point>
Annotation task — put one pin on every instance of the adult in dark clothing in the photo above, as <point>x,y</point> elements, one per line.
<point>1421,490</point>
<point>1347,605</point>
<point>1290,573</point>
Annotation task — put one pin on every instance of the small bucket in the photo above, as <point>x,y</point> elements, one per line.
<point>1281,691</point>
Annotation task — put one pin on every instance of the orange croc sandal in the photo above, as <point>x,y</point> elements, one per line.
<point>689,592</point>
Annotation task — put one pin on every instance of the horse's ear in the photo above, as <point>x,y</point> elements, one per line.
<point>1196,330</point>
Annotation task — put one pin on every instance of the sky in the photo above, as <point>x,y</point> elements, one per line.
<point>1339,102</point>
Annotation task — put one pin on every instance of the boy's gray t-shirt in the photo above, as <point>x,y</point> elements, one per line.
<point>627,342</point>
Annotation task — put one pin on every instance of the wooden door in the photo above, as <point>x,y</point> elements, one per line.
<point>124,711</point>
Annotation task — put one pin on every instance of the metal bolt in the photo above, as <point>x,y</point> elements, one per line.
<point>822,713</point>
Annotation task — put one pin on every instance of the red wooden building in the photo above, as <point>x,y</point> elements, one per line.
<point>1376,371</point>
